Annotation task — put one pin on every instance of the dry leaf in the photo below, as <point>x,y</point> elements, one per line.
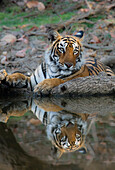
<point>43,28</point>
<point>91,53</point>
<point>21,53</point>
<point>91,5</point>
<point>34,28</point>
<point>41,6</point>
<point>23,26</point>
<point>8,28</point>
<point>112,124</point>
<point>89,157</point>
<point>3,43</point>
<point>111,117</point>
<point>84,9</point>
<point>24,39</point>
<point>33,4</point>
<point>4,60</point>
<point>40,56</point>
<point>95,40</point>
<point>112,35</point>
<point>109,7</point>
<point>9,38</point>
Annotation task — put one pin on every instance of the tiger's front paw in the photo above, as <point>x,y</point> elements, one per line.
<point>3,75</point>
<point>46,86</point>
<point>43,87</point>
<point>17,80</point>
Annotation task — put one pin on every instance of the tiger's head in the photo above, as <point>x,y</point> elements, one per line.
<point>64,56</point>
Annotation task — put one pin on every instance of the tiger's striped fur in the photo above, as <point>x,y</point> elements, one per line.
<point>64,60</point>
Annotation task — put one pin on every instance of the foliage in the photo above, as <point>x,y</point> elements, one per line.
<point>12,18</point>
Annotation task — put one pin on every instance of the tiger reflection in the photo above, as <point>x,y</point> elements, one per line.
<point>66,131</point>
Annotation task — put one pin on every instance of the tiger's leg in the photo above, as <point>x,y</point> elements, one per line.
<point>46,85</point>
<point>14,80</point>
<point>15,107</point>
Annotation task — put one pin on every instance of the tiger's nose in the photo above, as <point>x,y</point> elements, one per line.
<point>68,64</point>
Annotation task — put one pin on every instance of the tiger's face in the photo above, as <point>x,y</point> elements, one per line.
<point>69,137</point>
<point>64,56</point>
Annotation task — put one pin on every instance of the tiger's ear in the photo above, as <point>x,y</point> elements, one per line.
<point>79,34</point>
<point>56,153</point>
<point>83,150</point>
<point>53,35</point>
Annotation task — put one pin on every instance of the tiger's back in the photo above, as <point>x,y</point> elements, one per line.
<point>95,67</point>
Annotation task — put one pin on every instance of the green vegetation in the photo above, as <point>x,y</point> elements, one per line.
<point>14,17</point>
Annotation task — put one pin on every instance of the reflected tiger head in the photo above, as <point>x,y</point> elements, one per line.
<point>66,131</point>
<point>68,137</point>
<point>64,52</point>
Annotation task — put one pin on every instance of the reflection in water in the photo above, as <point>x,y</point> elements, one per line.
<point>66,131</point>
<point>67,122</point>
<point>12,156</point>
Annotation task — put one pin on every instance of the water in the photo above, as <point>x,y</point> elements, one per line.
<point>57,133</point>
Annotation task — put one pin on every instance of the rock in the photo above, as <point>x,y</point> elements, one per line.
<point>9,38</point>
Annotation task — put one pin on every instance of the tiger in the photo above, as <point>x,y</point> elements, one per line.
<point>64,60</point>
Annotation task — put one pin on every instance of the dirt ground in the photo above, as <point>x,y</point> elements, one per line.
<point>25,50</point>
<point>31,53</point>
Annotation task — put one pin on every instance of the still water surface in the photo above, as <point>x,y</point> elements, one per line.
<point>57,133</point>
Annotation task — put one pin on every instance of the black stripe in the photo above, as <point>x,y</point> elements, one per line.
<point>45,118</point>
<point>26,84</point>
<point>43,66</point>
<point>72,39</point>
<point>90,71</point>
<point>55,139</point>
<point>35,109</point>
<point>35,78</point>
<point>95,62</point>
<point>89,60</point>
<point>31,86</point>
<point>54,45</point>
<point>109,71</point>
<point>96,70</point>
<point>100,67</point>
<point>95,66</point>
<point>64,39</point>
